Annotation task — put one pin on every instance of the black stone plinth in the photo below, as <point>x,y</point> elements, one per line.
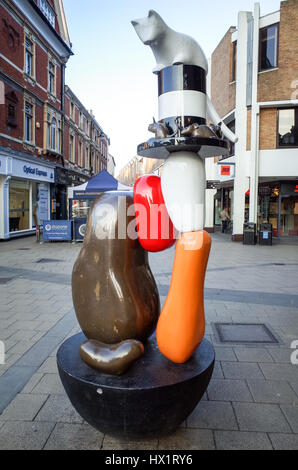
<point>152,399</point>
<point>203,146</point>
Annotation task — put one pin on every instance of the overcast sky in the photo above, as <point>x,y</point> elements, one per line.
<point>111,71</point>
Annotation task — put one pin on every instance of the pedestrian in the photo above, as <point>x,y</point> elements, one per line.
<point>225,218</point>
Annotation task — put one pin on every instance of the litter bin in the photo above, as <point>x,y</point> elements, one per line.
<point>249,233</point>
<point>265,235</point>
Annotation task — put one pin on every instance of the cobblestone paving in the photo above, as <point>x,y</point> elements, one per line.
<point>252,399</point>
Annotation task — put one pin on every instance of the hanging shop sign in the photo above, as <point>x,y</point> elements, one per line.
<point>226,170</point>
<point>57,230</point>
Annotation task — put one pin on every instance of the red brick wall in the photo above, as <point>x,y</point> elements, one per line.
<point>276,84</point>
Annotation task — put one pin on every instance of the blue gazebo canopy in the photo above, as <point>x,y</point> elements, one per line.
<point>100,183</point>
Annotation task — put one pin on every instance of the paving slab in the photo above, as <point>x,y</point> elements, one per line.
<point>188,439</point>
<point>49,384</point>
<point>252,355</point>
<point>286,372</point>
<point>291,413</point>
<point>24,407</point>
<point>236,440</point>
<point>260,417</point>
<point>213,415</point>
<point>67,436</point>
<point>284,441</point>
<point>229,390</point>
<point>58,409</point>
<point>243,370</point>
<point>21,435</point>
<point>113,443</point>
<point>272,391</point>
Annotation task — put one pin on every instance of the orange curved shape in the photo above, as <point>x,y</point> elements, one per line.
<point>181,325</point>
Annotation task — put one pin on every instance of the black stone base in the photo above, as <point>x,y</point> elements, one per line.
<point>152,399</point>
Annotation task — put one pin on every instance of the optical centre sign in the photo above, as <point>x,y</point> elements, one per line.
<point>22,169</point>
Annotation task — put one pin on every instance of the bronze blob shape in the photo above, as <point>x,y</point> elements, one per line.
<point>112,359</point>
<point>114,292</point>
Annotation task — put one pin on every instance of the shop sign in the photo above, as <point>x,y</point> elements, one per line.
<point>57,230</point>
<point>29,170</point>
<point>289,189</point>
<point>265,191</point>
<point>226,170</point>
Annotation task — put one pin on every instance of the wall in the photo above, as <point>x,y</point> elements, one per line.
<point>223,92</point>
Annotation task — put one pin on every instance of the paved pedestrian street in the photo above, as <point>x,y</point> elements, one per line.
<point>252,399</point>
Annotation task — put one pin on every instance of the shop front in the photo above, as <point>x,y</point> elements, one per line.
<point>278,205</point>
<point>24,195</point>
<point>59,195</point>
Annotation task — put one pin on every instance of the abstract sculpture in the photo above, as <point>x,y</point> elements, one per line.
<point>114,292</point>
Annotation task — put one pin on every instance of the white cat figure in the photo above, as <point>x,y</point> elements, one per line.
<point>172,48</point>
<point>168,46</point>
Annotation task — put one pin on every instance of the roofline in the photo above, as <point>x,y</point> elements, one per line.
<point>33,4</point>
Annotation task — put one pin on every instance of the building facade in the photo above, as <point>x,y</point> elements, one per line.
<point>139,166</point>
<point>38,158</point>
<point>254,87</point>
<point>111,164</point>
<point>86,146</point>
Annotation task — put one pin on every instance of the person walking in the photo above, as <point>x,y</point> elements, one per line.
<point>225,218</point>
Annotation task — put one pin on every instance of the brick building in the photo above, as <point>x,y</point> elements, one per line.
<point>48,140</point>
<point>86,145</point>
<point>254,87</point>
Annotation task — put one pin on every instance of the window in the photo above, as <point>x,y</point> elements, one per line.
<point>53,134</point>
<point>268,48</point>
<point>19,203</point>
<point>80,154</point>
<point>234,61</point>
<point>29,54</point>
<point>28,122</point>
<point>71,148</point>
<point>54,131</point>
<point>72,111</point>
<point>47,11</point>
<point>51,79</point>
<point>288,127</point>
<point>81,120</point>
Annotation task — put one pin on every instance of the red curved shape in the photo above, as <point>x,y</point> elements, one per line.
<point>154,226</point>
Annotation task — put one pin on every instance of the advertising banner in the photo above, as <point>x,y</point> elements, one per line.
<point>57,230</point>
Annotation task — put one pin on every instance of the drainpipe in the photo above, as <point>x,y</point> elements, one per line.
<point>63,110</point>
<point>255,117</point>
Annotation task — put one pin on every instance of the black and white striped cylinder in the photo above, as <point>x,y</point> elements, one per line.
<point>181,96</point>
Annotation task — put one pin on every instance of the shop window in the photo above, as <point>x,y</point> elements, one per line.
<point>19,197</point>
<point>29,57</point>
<point>288,127</point>
<point>28,122</point>
<point>268,47</point>
<point>289,216</point>
<point>51,78</point>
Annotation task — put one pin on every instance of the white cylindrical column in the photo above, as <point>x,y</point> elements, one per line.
<point>181,96</point>
<point>183,184</point>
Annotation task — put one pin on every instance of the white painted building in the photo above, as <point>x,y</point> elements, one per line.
<point>254,86</point>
